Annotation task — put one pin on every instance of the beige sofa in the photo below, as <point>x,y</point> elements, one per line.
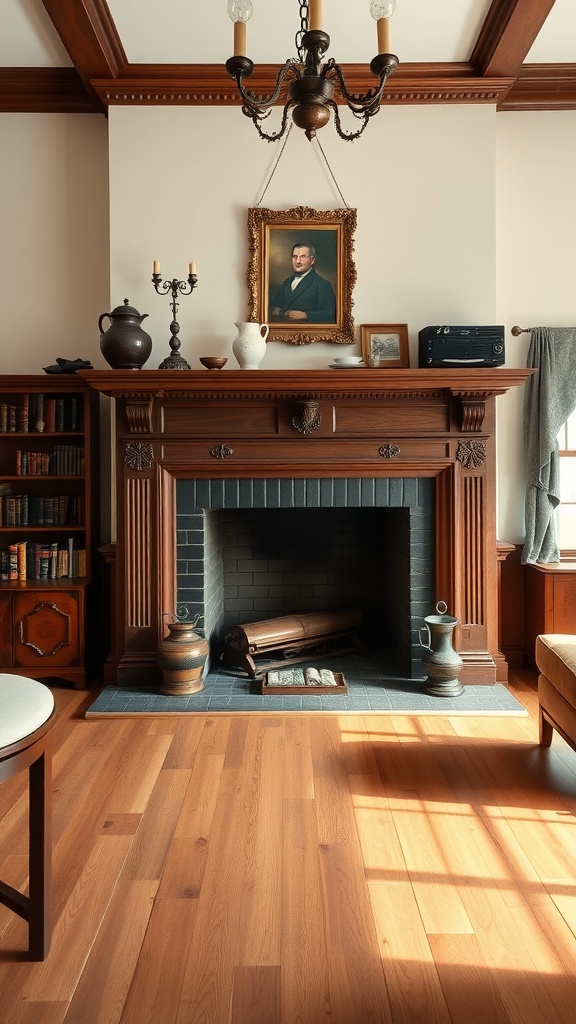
<point>556,661</point>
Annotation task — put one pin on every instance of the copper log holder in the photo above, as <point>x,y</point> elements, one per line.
<point>291,635</point>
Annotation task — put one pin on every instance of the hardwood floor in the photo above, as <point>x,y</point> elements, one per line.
<point>300,869</point>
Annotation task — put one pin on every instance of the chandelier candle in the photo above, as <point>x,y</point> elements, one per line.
<point>382,11</point>
<point>315,15</point>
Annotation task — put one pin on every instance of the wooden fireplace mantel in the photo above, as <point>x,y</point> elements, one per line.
<point>284,423</point>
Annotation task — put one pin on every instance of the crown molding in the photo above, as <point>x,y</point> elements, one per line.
<point>543,87</point>
<point>61,90</point>
<point>208,84</point>
<point>45,91</point>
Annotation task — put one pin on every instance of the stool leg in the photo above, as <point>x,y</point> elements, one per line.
<point>40,855</point>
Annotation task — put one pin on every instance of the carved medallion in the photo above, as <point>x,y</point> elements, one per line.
<point>139,456</point>
<point>307,417</point>
<point>221,451</point>
<point>389,451</point>
<point>471,453</point>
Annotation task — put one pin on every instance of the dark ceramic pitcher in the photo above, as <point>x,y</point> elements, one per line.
<point>125,346</point>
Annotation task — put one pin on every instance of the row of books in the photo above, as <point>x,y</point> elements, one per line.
<point>39,510</point>
<point>24,560</point>
<point>63,460</point>
<point>41,413</point>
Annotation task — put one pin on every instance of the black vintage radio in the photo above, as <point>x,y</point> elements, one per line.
<point>460,346</point>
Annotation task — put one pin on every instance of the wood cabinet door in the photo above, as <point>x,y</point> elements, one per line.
<point>46,628</point>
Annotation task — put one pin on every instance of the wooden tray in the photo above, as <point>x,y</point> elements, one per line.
<point>341,687</point>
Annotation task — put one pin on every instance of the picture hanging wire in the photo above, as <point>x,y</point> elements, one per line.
<point>279,157</point>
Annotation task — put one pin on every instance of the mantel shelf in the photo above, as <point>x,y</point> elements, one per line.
<point>480,381</point>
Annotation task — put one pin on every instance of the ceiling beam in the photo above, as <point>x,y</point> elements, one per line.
<point>90,36</point>
<point>507,35</point>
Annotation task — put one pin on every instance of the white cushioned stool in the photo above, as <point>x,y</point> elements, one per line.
<point>27,715</point>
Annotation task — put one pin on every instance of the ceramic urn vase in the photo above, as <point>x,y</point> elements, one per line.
<point>181,656</point>
<point>249,347</point>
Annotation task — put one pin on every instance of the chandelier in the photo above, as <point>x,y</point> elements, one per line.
<point>310,83</point>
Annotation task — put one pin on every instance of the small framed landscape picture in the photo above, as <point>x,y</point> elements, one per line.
<point>385,345</point>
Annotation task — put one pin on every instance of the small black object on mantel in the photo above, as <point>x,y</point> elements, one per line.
<point>68,365</point>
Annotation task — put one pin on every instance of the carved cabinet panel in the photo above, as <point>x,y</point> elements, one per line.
<point>47,629</point>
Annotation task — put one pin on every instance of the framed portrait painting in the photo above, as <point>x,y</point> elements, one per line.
<point>385,345</point>
<point>301,273</point>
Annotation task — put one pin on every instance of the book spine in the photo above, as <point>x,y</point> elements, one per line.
<point>50,414</point>
<point>21,559</point>
<point>40,425</point>
<point>23,414</point>
<point>13,562</point>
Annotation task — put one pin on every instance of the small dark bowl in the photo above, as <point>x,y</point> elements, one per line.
<point>213,362</point>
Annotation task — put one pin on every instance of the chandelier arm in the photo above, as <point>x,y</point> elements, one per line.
<point>359,104</point>
<point>260,115</point>
<point>349,136</point>
<point>258,103</point>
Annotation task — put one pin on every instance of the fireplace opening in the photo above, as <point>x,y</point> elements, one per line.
<point>254,550</point>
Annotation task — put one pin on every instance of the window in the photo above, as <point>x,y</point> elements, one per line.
<point>566,512</point>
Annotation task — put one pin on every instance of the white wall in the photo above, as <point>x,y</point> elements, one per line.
<point>464,215</point>
<point>54,275</point>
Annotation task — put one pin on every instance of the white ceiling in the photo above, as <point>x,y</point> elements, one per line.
<point>199,31</point>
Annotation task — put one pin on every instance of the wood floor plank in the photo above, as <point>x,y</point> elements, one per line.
<point>156,991</point>
<point>305,973</point>
<point>149,849</point>
<point>469,989</point>
<point>255,995</point>
<point>105,981</point>
<point>412,980</point>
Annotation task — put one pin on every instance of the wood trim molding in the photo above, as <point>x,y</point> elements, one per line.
<point>205,84</point>
<point>543,87</point>
<point>45,91</point>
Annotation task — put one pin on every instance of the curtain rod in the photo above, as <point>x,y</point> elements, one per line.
<point>521,330</point>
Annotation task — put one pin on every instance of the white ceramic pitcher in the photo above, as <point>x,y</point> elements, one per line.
<point>249,347</point>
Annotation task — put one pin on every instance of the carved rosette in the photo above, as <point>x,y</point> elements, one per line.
<point>221,451</point>
<point>307,418</point>
<point>139,456</point>
<point>471,453</point>
<point>389,451</point>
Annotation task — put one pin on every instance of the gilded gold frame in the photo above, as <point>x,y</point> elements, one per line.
<point>273,233</point>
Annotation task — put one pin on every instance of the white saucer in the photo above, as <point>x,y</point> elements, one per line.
<point>347,366</point>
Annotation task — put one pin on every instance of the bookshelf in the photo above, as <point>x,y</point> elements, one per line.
<point>48,498</point>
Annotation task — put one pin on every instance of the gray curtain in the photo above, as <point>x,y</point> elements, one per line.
<point>549,398</point>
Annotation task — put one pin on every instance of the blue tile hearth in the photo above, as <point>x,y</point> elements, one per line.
<point>370,691</point>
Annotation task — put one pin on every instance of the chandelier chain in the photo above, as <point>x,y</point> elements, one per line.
<point>303,6</point>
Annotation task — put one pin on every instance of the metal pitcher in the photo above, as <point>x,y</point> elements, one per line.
<point>443,665</point>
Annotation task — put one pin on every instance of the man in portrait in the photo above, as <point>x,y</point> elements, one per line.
<point>305,296</point>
